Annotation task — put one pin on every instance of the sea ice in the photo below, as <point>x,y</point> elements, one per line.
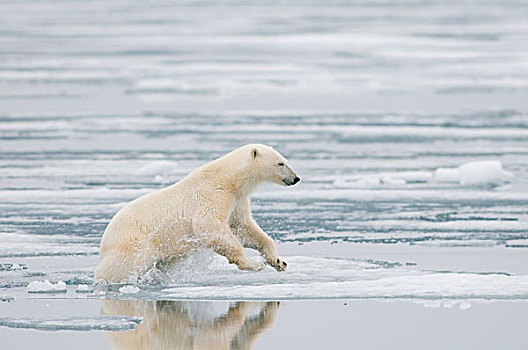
<point>157,167</point>
<point>84,288</point>
<point>17,244</point>
<point>469,174</point>
<point>128,289</point>
<point>46,287</point>
<point>6,298</point>
<point>483,173</point>
<point>370,181</point>
<point>489,172</point>
<point>106,323</point>
<point>12,267</point>
<point>318,277</point>
<point>411,176</point>
<point>447,175</point>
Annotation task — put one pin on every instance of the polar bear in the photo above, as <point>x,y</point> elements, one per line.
<point>210,208</point>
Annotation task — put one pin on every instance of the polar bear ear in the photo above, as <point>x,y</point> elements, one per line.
<point>254,153</point>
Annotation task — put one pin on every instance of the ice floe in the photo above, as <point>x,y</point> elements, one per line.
<point>475,174</point>
<point>483,173</point>
<point>426,286</point>
<point>46,287</point>
<point>331,278</point>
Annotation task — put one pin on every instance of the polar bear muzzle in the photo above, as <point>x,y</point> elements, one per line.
<point>291,182</point>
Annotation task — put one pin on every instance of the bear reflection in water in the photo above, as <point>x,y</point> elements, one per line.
<point>191,324</point>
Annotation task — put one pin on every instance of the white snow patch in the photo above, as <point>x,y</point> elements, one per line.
<point>46,287</point>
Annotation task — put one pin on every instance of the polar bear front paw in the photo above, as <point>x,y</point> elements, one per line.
<point>278,264</point>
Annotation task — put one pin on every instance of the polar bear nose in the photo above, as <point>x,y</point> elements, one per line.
<point>297,179</point>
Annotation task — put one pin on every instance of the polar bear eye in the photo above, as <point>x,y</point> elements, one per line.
<point>281,164</point>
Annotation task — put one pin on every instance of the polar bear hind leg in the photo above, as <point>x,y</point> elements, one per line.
<point>114,268</point>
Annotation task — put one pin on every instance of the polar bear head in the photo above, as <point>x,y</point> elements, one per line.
<point>269,165</point>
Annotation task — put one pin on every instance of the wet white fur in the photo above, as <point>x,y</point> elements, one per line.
<point>210,207</point>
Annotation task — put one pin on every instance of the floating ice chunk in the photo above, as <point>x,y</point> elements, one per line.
<point>84,288</point>
<point>106,323</point>
<point>479,173</point>
<point>483,173</point>
<point>46,287</point>
<point>128,289</point>
<point>447,175</point>
<point>157,167</point>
